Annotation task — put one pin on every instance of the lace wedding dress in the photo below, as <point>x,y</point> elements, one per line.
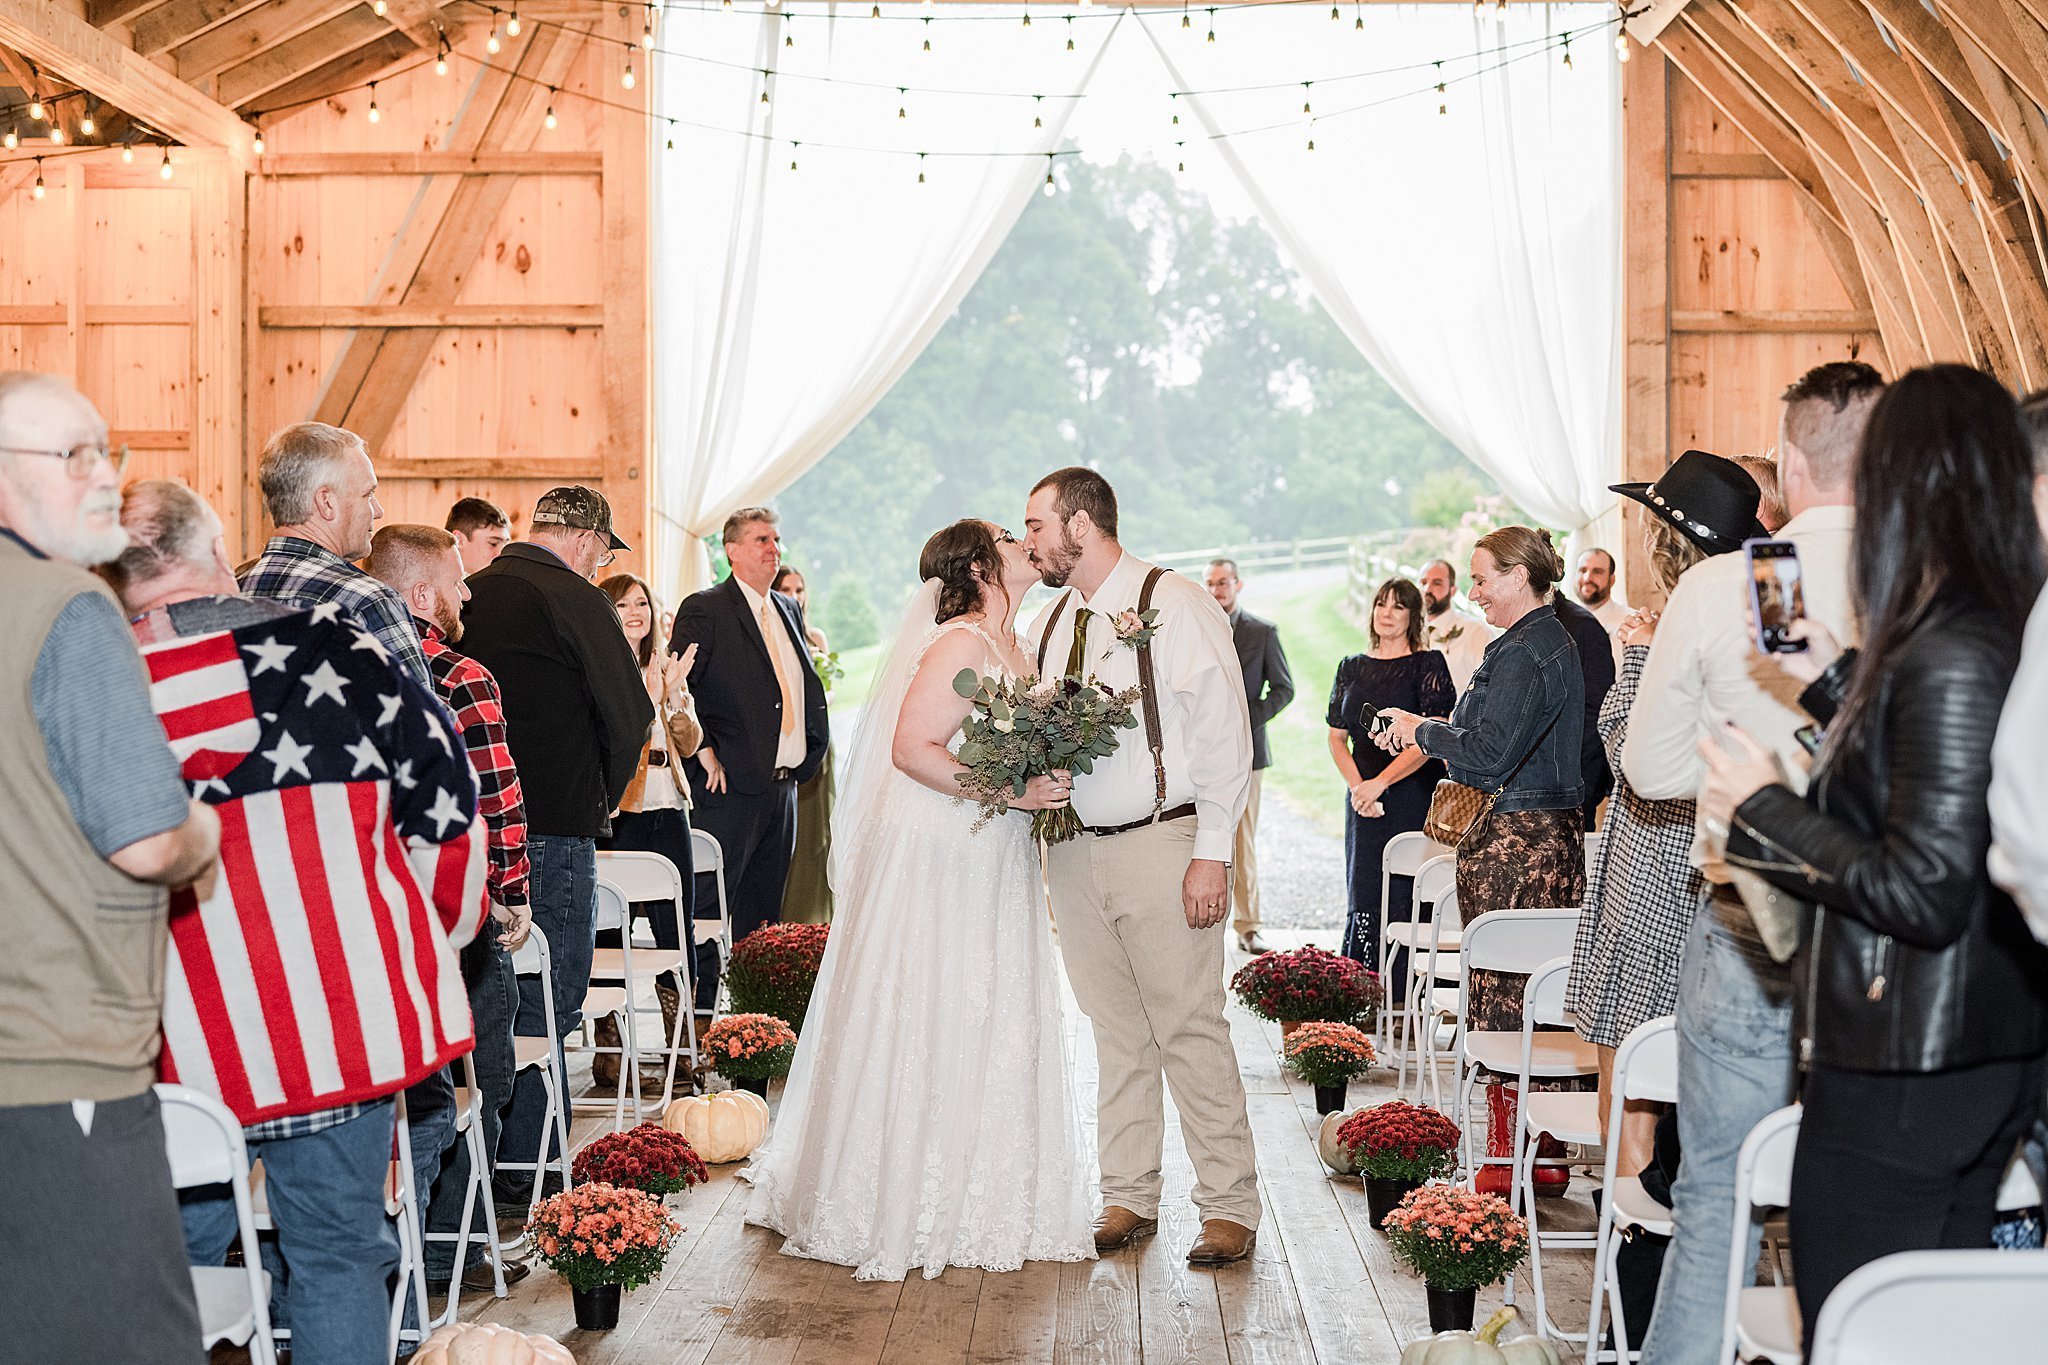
<point>929,1119</point>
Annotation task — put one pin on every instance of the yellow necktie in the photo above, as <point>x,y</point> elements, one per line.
<point>790,704</point>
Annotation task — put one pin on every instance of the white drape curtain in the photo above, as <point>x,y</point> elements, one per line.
<point>788,302</point>
<point>1472,255</point>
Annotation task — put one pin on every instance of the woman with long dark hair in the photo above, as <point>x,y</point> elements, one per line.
<point>1922,1000</point>
<point>1385,794</point>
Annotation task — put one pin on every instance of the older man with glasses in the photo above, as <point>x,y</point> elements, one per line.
<point>96,827</point>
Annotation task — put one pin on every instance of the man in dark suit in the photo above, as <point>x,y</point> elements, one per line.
<point>1596,661</point>
<point>763,712</point>
<point>1268,687</point>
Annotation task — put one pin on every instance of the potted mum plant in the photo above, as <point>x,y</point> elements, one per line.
<point>750,1048</point>
<point>1395,1147</point>
<point>1304,984</point>
<point>648,1157</point>
<point>1457,1240</point>
<point>603,1240</point>
<point>1329,1057</point>
<point>774,969</point>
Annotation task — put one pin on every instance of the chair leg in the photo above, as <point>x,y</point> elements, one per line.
<point>1602,1267</point>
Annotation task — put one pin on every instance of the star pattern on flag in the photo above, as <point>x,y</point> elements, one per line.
<point>327,611</point>
<point>270,656</point>
<point>364,752</point>
<point>390,711</point>
<point>289,756</point>
<point>445,811</point>
<point>441,735</point>
<point>365,640</point>
<point>403,777</point>
<point>207,784</point>
<point>325,682</point>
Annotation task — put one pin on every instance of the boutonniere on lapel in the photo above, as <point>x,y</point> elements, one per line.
<point>1445,637</point>
<point>1135,628</point>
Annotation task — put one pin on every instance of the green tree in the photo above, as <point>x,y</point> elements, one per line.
<point>848,617</point>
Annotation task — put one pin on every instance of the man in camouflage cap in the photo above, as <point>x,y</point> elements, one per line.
<point>576,714</point>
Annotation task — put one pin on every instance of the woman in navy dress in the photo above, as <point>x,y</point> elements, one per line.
<point>1389,794</point>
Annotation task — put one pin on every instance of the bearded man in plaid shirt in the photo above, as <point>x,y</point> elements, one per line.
<point>423,565</point>
<point>319,978</point>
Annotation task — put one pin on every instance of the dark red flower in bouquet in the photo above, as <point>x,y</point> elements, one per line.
<point>649,1158</point>
<point>774,969</point>
<point>1308,983</point>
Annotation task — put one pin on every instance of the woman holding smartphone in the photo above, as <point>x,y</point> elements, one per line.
<point>1387,794</point>
<point>1921,1000</point>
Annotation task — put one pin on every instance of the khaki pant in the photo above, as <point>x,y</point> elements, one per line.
<point>1244,865</point>
<point>1153,989</point>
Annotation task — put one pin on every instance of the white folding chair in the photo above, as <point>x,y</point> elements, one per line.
<point>1516,941</point>
<point>203,1141</point>
<point>1404,856</point>
<point>1432,944</point>
<point>1568,1116</point>
<point>532,958</point>
<point>708,858</point>
<point>476,1199</point>
<point>1761,1322</point>
<point>635,877</point>
<point>1935,1308</point>
<point>614,1001</point>
<point>1645,1068</point>
<point>402,1206</point>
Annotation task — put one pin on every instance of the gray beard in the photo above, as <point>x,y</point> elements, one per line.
<point>86,548</point>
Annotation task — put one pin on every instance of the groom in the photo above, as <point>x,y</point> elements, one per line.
<point>1140,896</point>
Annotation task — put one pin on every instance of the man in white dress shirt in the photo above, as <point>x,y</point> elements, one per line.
<point>1140,896</point>
<point>1461,638</point>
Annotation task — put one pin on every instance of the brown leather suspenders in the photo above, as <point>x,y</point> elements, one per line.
<point>1154,736</point>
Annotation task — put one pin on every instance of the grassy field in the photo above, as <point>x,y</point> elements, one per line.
<point>1309,611</point>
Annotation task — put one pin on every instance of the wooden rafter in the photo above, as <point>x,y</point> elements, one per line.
<point>345,72</point>
<point>164,27</point>
<point>63,44</point>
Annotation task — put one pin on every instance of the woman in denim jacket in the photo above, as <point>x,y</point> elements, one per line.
<point>1516,732</point>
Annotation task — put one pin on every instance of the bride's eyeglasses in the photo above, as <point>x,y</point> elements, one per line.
<point>1005,538</point>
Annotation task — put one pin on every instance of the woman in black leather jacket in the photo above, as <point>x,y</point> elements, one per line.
<point>1922,999</point>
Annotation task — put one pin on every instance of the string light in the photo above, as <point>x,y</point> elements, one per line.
<point>164,171</point>
<point>550,120</point>
<point>1037,108</point>
<point>1445,106</point>
<point>927,32</point>
<point>902,101</point>
<point>1070,33</point>
<point>88,125</point>
<point>1567,51</point>
<point>512,25</point>
<point>35,107</point>
<point>671,134</point>
<point>1621,46</point>
<point>1358,7</point>
<point>56,133</point>
<point>1027,16</point>
<point>1186,20</point>
<point>1050,187</point>
<point>1305,95</point>
<point>1181,165</point>
<point>379,8</point>
<point>39,191</point>
<point>259,146</point>
<point>441,57</point>
<point>1175,97</point>
<point>627,79</point>
<point>1334,14</point>
<point>375,115</point>
<point>877,13</point>
<point>792,154</point>
<point>127,154</point>
<point>764,92</point>
<point>1212,23</point>
<point>491,44</point>
<point>920,168</point>
<point>11,141</point>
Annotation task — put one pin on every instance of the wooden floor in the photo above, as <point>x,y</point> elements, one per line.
<point>1322,1286</point>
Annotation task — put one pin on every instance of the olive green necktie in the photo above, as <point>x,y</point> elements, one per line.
<point>1077,653</point>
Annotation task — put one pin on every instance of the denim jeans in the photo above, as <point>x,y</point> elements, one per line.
<point>563,887</point>
<point>430,1128</point>
<point>493,1000</point>
<point>1735,1065</point>
<point>326,1193</point>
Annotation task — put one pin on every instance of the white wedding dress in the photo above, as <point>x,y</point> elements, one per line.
<point>929,1119</point>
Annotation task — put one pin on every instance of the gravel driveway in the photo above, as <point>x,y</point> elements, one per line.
<point>1301,871</point>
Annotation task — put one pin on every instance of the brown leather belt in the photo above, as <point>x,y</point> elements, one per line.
<point>1181,812</point>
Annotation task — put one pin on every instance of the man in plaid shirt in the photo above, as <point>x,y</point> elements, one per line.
<point>422,565</point>
<point>321,492</point>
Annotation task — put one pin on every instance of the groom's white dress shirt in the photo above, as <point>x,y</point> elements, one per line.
<point>1204,723</point>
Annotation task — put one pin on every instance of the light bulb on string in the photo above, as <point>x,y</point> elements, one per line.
<point>39,191</point>
<point>1445,106</point>
<point>88,125</point>
<point>1567,51</point>
<point>56,133</point>
<point>441,57</point>
<point>789,38</point>
<point>1335,15</point>
<point>258,145</point>
<point>671,134</point>
<point>903,101</point>
<point>379,8</point>
<point>1358,8</point>
<point>1037,108</point>
<point>1621,47</point>
<point>1186,20</point>
<point>35,108</point>
<point>127,152</point>
<point>512,25</point>
<point>1051,188</point>
<point>1305,96</point>
<point>1212,23</point>
<point>1181,164</point>
<point>13,140</point>
<point>491,44</point>
<point>1175,97</point>
<point>765,103</point>
<point>792,154</point>
<point>164,171</point>
<point>877,13</point>
<point>550,120</point>
<point>1027,16</point>
<point>920,168</point>
<point>1070,33</point>
<point>647,34</point>
<point>375,116</point>
<point>627,80</point>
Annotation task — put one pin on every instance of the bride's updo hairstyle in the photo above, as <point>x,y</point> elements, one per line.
<point>965,560</point>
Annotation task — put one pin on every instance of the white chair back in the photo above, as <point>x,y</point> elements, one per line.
<point>1763,1180</point>
<point>614,911</point>
<point>1406,852</point>
<point>641,876</point>
<point>1645,1068</point>
<point>1543,997</point>
<point>1935,1308</point>
<point>709,859</point>
<point>1519,940</point>
<point>1646,1064</point>
<point>203,1143</point>
<point>532,958</point>
<point>1435,879</point>
<point>201,1138</point>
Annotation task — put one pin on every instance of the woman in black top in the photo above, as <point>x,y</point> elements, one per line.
<point>1389,794</point>
<point>1920,998</point>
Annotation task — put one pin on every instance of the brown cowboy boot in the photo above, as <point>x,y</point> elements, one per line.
<point>1119,1227</point>
<point>604,1066</point>
<point>1221,1243</point>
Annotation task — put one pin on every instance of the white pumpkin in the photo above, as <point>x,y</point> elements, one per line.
<point>1335,1156</point>
<point>487,1343</point>
<point>725,1126</point>
<point>1483,1347</point>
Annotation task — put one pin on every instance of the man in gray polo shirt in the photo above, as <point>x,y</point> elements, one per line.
<point>95,825</point>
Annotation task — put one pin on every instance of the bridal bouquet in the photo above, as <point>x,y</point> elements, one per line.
<point>1025,728</point>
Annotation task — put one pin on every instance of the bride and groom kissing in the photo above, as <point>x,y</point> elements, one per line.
<point>930,1117</point>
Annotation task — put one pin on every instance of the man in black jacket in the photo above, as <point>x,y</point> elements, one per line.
<point>576,715</point>
<point>1596,661</point>
<point>1268,687</point>
<point>763,712</point>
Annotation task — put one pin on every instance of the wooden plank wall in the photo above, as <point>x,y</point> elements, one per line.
<point>1730,290</point>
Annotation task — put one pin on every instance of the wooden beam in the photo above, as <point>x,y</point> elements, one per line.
<point>164,27</point>
<point>1816,59</point>
<point>439,163</point>
<point>100,13</point>
<point>96,314</point>
<point>1757,120</point>
<point>346,72</point>
<point>1927,38</point>
<point>1646,288</point>
<point>491,467</point>
<point>151,440</point>
<point>571,315</point>
<point>628,266</point>
<point>62,43</point>
<point>353,28</point>
<point>1776,320</point>
<point>219,244</point>
<point>1723,166</point>
<point>422,21</point>
<point>1898,326</point>
<point>254,32</point>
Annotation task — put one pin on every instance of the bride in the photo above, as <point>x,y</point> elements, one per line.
<point>929,1119</point>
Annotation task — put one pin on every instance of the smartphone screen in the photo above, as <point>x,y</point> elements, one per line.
<point>1776,597</point>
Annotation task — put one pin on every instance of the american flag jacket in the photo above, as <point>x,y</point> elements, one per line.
<point>321,970</point>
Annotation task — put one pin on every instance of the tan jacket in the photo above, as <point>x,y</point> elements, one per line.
<point>684,737</point>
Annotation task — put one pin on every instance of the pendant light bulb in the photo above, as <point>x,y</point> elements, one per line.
<point>1621,47</point>
<point>11,141</point>
<point>35,108</point>
<point>164,171</point>
<point>39,191</point>
<point>127,153</point>
<point>379,8</point>
<point>56,134</point>
<point>376,115</point>
<point>259,146</point>
<point>628,80</point>
<point>512,25</point>
<point>550,120</point>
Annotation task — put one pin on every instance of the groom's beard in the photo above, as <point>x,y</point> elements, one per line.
<point>1058,564</point>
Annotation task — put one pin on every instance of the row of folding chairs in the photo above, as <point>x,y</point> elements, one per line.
<point>205,1144</point>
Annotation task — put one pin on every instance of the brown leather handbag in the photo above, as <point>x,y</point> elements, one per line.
<point>1456,808</point>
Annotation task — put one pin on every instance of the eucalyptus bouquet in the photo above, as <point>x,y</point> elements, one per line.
<point>1023,728</point>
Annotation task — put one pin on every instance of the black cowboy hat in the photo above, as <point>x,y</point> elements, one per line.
<point>1712,501</point>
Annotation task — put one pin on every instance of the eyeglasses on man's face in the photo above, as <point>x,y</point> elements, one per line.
<point>81,462</point>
